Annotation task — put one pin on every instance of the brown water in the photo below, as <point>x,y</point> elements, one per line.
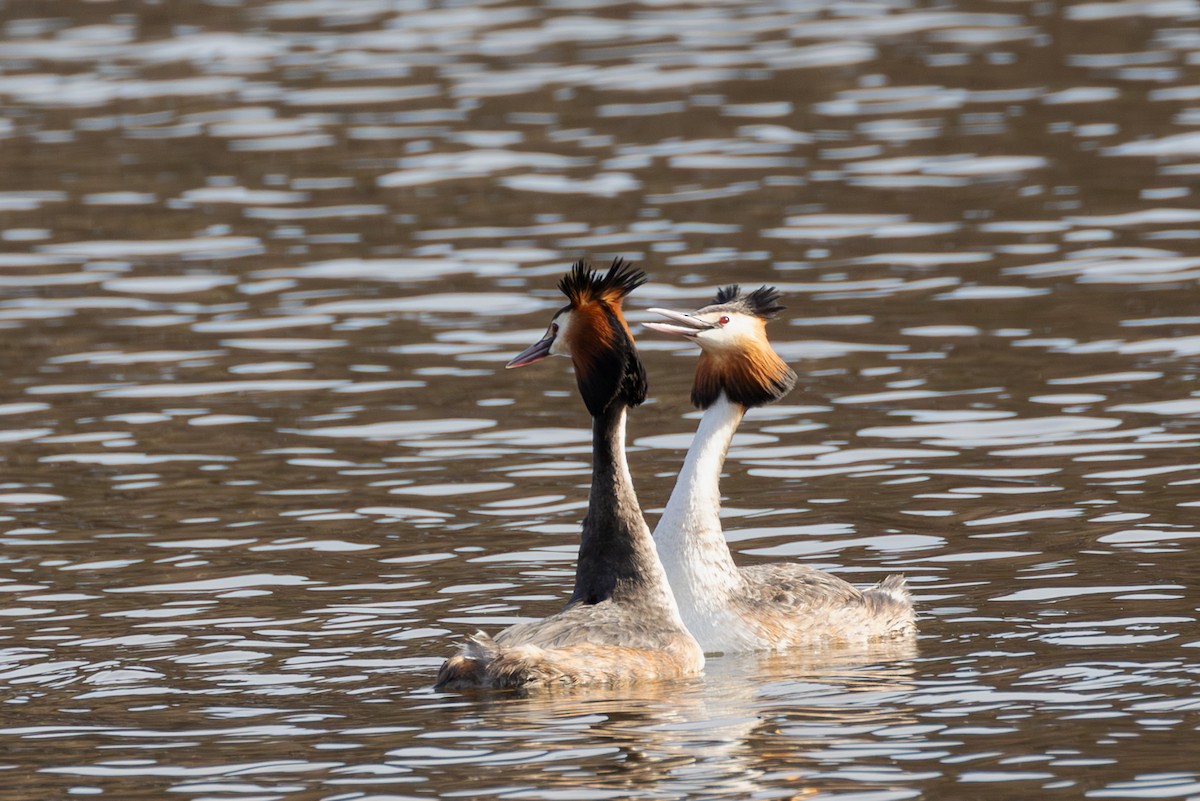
<point>260,266</point>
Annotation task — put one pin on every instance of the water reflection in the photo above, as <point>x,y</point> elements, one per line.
<point>707,737</point>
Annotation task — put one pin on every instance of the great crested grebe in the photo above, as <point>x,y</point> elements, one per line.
<point>759,607</point>
<point>621,624</point>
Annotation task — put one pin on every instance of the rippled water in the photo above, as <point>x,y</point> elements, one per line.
<point>260,467</point>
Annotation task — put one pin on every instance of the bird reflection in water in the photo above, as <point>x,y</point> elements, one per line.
<point>749,716</point>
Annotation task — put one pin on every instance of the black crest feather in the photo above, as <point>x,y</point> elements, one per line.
<point>762,302</point>
<point>725,294</point>
<point>584,285</point>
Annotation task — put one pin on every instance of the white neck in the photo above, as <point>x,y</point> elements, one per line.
<point>689,538</point>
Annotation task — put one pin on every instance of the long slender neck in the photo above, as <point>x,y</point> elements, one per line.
<point>616,554</point>
<point>690,528</point>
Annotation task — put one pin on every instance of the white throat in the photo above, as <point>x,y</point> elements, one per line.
<point>689,538</point>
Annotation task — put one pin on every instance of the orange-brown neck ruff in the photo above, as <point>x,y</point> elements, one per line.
<point>590,335</point>
<point>751,376</point>
<point>607,367</point>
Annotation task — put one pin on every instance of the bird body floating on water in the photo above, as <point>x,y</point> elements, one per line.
<point>622,624</point>
<point>758,607</point>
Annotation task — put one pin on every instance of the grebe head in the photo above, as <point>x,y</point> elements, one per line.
<point>592,332</point>
<point>735,356</point>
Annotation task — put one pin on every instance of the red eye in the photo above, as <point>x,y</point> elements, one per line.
<point>553,329</point>
<point>723,321</point>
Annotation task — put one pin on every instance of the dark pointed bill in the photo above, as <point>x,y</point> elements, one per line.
<point>687,326</point>
<point>534,353</point>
